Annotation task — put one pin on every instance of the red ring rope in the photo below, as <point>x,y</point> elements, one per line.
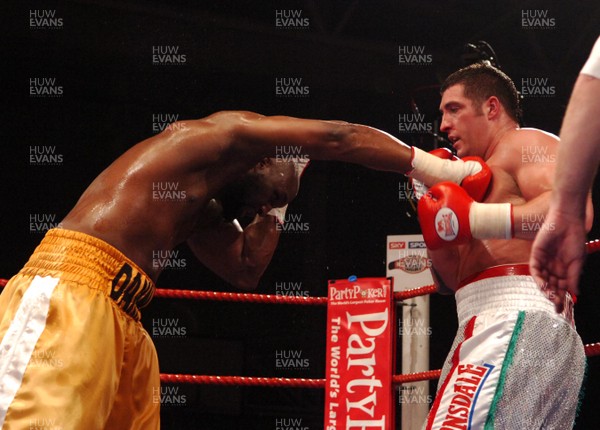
<point>590,350</point>
<point>239,297</point>
<point>242,380</point>
<point>270,298</point>
<point>415,292</point>
<point>265,298</point>
<point>414,377</point>
<point>280,382</point>
<point>592,246</point>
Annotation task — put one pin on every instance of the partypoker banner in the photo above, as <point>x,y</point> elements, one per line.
<point>360,325</point>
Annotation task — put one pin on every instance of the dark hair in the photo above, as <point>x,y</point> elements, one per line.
<point>481,81</point>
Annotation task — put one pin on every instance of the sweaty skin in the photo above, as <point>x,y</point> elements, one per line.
<point>199,159</point>
<point>522,162</point>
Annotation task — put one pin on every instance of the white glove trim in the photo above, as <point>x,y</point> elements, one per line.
<point>491,220</point>
<point>430,169</point>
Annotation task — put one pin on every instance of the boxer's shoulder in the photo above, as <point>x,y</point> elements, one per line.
<point>517,146</point>
<point>525,140</point>
<point>519,137</point>
<point>535,133</point>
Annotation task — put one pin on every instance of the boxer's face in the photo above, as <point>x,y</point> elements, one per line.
<point>464,121</point>
<point>275,185</point>
<point>269,184</point>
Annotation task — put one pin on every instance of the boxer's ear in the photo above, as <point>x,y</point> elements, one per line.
<point>492,107</point>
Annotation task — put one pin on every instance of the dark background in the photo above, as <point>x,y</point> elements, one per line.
<point>348,57</point>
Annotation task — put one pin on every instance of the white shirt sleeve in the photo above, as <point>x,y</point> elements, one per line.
<point>592,65</point>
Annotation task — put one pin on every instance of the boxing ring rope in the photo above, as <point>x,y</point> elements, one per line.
<point>281,382</point>
<point>273,299</point>
<point>242,380</point>
<point>592,349</point>
<point>592,246</point>
<point>238,297</point>
<point>264,298</point>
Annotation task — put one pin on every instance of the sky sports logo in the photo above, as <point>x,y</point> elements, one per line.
<point>411,245</point>
<point>397,245</point>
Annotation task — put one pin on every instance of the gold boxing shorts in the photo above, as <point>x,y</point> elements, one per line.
<point>73,353</point>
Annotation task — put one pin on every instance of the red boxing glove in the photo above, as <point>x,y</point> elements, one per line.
<point>444,154</point>
<point>477,184</point>
<point>440,165</point>
<point>449,216</point>
<point>444,215</point>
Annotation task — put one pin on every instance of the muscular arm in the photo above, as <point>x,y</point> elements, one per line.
<point>528,217</point>
<point>240,258</point>
<point>579,150</point>
<point>320,140</point>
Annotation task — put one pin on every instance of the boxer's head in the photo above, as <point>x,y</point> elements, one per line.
<point>269,184</point>
<point>474,98</point>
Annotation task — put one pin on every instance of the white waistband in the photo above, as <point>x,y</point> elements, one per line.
<point>505,293</point>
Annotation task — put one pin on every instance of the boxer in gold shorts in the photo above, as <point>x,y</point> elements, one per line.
<point>73,354</point>
<point>77,356</point>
